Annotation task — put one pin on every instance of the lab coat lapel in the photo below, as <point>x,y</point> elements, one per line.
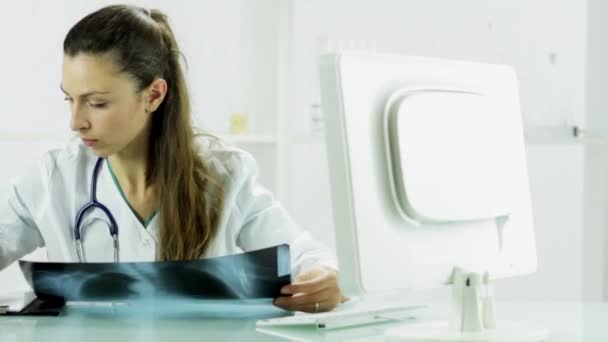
<point>135,241</point>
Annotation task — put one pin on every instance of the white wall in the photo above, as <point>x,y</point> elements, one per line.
<point>231,50</point>
<point>544,40</point>
<point>230,47</point>
<point>596,186</point>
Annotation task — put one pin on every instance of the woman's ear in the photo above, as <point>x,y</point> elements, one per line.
<point>155,94</point>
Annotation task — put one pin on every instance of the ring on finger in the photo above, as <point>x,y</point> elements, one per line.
<point>316,309</point>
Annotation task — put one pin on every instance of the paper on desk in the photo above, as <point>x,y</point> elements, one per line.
<point>252,275</point>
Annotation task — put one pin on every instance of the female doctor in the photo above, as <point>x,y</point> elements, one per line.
<point>139,185</point>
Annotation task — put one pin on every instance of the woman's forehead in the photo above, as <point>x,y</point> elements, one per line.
<point>84,73</point>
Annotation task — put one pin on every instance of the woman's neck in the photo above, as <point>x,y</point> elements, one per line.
<point>130,172</point>
<point>130,166</point>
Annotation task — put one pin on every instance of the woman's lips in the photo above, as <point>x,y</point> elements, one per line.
<point>89,142</point>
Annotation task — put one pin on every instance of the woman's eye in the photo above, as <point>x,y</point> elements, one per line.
<point>98,105</point>
<point>69,99</point>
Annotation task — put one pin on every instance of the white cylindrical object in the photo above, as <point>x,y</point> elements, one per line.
<point>471,306</point>
<point>458,283</point>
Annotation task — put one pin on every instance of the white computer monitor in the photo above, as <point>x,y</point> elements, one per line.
<point>427,170</point>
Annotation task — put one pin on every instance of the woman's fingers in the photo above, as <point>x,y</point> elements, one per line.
<point>309,286</point>
<point>314,280</point>
<point>307,298</point>
<point>328,298</point>
<point>303,302</point>
<point>325,303</point>
<point>314,290</point>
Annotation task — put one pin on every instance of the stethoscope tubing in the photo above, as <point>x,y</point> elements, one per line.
<point>94,204</point>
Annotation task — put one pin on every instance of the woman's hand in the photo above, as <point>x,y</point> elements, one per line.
<point>314,290</point>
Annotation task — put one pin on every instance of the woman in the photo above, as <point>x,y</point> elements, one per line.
<point>174,197</point>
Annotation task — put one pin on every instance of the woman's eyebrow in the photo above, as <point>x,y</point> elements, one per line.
<point>85,94</point>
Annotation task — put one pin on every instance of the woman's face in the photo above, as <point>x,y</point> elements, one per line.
<point>106,109</point>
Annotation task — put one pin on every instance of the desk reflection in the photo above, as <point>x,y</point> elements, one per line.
<point>213,321</point>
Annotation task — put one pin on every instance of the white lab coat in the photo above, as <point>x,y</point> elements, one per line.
<point>39,210</point>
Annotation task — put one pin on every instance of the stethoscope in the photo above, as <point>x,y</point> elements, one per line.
<point>94,204</point>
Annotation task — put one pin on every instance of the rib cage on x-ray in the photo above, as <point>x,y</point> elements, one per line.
<point>256,274</point>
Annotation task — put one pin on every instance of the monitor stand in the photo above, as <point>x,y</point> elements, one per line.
<point>472,319</point>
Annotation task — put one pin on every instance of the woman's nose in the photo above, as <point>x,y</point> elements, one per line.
<point>78,119</point>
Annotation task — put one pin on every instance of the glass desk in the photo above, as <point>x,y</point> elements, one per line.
<point>568,322</point>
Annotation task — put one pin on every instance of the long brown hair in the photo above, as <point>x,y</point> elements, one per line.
<point>142,44</point>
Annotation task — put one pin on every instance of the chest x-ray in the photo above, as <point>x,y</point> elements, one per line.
<point>251,275</point>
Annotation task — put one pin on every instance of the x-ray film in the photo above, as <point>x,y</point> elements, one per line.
<point>252,275</point>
